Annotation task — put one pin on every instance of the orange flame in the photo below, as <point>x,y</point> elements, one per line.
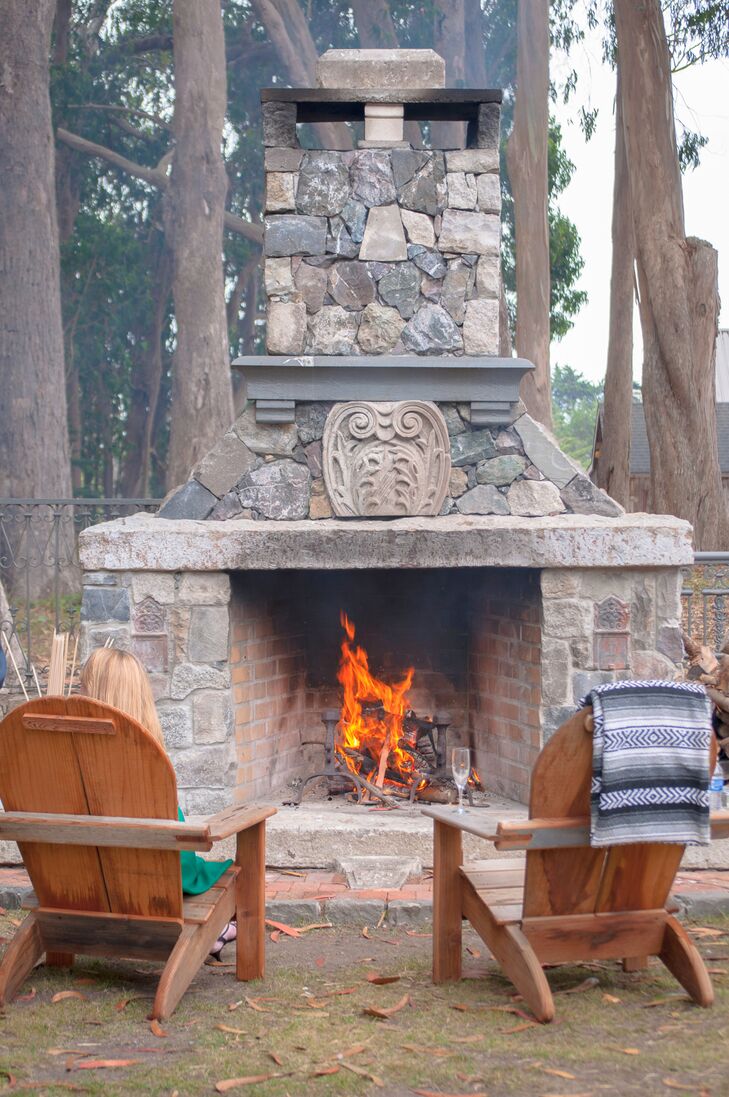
<point>372,712</point>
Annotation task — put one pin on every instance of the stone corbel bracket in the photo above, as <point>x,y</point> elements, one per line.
<point>489,384</point>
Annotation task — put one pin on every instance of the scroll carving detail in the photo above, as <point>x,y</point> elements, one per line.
<point>386,459</point>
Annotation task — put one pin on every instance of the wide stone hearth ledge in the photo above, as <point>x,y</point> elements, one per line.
<point>144,542</point>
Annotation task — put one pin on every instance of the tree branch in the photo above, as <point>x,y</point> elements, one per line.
<point>153,176</point>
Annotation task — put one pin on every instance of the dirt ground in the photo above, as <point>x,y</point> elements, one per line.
<point>304,1029</point>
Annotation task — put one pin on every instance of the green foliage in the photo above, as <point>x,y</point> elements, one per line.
<point>575,402</point>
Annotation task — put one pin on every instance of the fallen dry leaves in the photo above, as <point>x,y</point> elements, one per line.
<point>233,1031</point>
<point>64,994</point>
<point>247,1080</point>
<point>556,1073</point>
<point>362,1073</point>
<point>26,997</point>
<point>611,999</point>
<point>439,1093</point>
<point>283,928</point>
<point>103,1064</point>
<point>382,980</point>
<point>156,1029</point>
<point>385,1012</point>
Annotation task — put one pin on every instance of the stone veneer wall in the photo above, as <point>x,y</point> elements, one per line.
<point>273,471</point>
<point>382,251</point>
<point>596,625</point>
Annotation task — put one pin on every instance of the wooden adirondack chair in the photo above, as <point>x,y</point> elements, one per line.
<point>91,798</point>
<point>565,901</point>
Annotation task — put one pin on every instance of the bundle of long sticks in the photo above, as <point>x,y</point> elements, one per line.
<point>57,666</point>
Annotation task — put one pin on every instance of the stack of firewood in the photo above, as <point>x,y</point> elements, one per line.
<point>713,672</point>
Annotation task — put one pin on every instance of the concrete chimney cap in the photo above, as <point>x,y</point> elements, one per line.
<point>380,69</point>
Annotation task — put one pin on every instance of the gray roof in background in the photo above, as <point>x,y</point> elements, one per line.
<point>639,456</point>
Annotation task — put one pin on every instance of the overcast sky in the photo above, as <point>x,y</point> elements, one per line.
<point>702,103</point>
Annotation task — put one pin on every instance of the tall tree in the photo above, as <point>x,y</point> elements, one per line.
<point>34,453</point>
<point>677,279</point>
<point>526,157</point>
<point>614,465</point>
<point>449,37</point>
<point>202,395</point>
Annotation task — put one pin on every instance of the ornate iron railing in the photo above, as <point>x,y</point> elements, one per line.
<point>39,567</point>
<point>705,598</point>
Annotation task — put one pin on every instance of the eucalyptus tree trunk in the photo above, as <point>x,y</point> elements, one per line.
<point>613,469</point>
<point>202,396</point>
<point>526,158</point>
<point>34,452</point>
<point>449,40</point>
<point>677,279</point>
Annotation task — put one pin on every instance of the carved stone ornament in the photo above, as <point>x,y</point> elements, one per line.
<point>386,459</point>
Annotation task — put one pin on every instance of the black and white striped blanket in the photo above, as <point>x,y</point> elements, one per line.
<point>650,763</point>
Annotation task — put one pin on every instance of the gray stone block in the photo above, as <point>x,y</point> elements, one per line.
<point>379,329</point>
<point>556,672</point>
<point>427,260</point>
<point>408,912</point>
<point>584,497</point>
<point>100,579</point>
<point>466,231</point>
<point>279,125</point>
<point>205,801</point>
<point>669,642</point>
<point>187,677</point>
<point>378,871</point>
<point>333,330</point>
<point>210,766</point>
<point>426,191</point>
<point>105,604</point>
<point>351,285</point>
<point>431,330</point>
<point>501,470</point>
<point>209,629</point>
<point>293,912</point>
<point>223,466</point>
<point>543,451</point>
<point>567,618</point>
<point>354,215</point>
<point>204,588</point>
<point>152,584</point>
<point>472,447</point>
<point>212,716</point>
<point>419,228</point>
<point>323,184</point>
<point>384,236</point>
<point>270,439</point>
<point>176,721</point>
<point>310,420</point>
<point>454,423</point>
<point>380,68</point>
<point>483,499</point>
<point>534,498</point>
<point>311,284</point>
<point>399,286</point>
<point>278,490</point>
<point>226,508</point>
<point>339,241</point>
<point>462,192</point>
<point>280,191</point>
<point>405,163</point>
<point>481,326</point>
<point>282,159</point>
<point>285,328</point>
<point>485,132</point>
<point>372,179</point>
<point>294,234</point>
<point>475,160</point>
<point>358,912</point>
<point>553,716</point>
<point>192,500</point>
<point>584,681</point>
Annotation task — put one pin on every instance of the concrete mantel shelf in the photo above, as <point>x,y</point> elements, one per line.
<point>489,384</point>
<point>144,542</point>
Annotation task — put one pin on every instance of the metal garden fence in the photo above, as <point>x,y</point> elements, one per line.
<point>39,567</point>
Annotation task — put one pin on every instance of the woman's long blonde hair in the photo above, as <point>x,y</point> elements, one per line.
<point>118,678</point>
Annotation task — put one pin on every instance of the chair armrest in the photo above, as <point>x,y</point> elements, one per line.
<point>233,820</point>
<point>103,830</point>
<point>517,834</point>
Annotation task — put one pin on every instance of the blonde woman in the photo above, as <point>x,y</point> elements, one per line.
<point>118,678</point>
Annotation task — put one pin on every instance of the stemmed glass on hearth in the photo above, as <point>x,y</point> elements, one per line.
<point>461,766</point>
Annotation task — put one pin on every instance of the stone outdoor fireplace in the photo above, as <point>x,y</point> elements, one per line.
<point>385,467</point>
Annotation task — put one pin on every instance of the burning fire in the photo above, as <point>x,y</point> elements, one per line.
<point>372,714</point>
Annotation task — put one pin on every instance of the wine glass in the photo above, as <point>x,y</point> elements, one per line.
<point>461,766</point>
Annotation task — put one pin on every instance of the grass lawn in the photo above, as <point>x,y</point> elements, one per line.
<point>304,1029</point>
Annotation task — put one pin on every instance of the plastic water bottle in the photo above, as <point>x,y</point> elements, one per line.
<point>716,789</point>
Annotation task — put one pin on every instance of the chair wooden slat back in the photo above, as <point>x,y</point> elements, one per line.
<point>85,771</point>
<point>585,880</point>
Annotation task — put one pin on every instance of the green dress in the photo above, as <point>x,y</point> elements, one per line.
<point>198,874</point>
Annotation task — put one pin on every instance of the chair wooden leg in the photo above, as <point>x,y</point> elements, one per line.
<point>23,953</point>
<point>635,963</point>
<point>512,951</point>
<point>190,951</point>
<point>250,904</point>
<point>59,959</point>
<point>683,960</point>
<point>447,914</point>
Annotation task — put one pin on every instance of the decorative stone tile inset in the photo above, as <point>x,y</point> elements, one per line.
<point>612,639</point>
<point>149,616</point>
<point>612,615</point>
<point>386,459</point>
